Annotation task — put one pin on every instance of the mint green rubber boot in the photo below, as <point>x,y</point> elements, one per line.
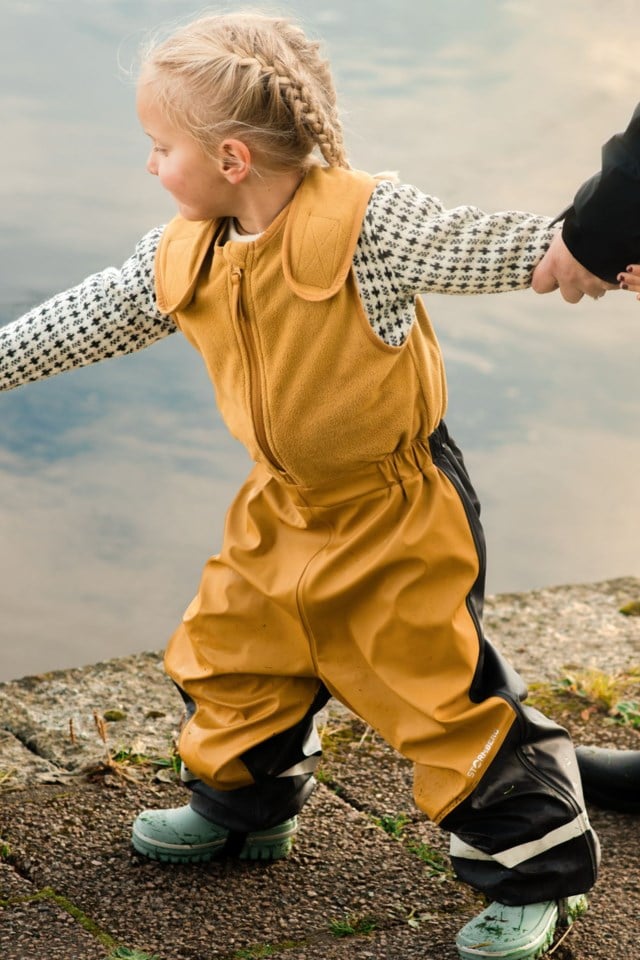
<point>180,835</point>
<point>517,933</point>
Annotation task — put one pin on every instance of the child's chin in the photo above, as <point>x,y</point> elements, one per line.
<point>188,214</point>
<point>193,213</point>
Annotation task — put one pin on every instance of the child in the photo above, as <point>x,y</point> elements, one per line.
<point>353,556</point>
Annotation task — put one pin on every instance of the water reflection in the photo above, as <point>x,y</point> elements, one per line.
<point>114,480</point>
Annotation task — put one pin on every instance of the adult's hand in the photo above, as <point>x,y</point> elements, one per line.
<point>558,269</point>
<point>630,279</point>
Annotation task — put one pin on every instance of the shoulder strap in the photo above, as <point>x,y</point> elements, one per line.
<point>322,230</point>
<point>179,257</point>
<point>320,238</point>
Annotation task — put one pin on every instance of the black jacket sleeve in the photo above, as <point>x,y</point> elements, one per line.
<point>602,226</point>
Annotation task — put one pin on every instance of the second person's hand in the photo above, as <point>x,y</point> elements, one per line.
<point>559,269</point>
<point>629,279</point>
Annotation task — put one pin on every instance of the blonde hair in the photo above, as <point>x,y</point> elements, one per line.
<point>249,76</point>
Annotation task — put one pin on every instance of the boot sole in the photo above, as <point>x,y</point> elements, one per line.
<point>536,948</point>
<point>264,846</point>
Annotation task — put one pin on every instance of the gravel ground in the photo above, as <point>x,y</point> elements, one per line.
<point>72,889</point>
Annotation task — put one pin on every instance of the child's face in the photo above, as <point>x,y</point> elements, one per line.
<point>193,179</point>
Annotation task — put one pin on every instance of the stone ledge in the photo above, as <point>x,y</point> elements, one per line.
<point>47,726</point>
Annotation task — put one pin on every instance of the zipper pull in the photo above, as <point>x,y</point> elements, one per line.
<point>236,279</point>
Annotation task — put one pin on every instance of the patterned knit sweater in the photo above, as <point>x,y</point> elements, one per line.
<point>409,244</point>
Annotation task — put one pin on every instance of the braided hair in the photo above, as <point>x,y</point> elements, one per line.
<point>249,76</point>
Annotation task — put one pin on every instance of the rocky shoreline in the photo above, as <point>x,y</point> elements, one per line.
<point>57,724</point>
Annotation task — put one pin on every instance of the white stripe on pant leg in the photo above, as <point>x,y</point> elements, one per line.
<point>305,766</point>
<point>312,750</point>
<point>464,851</point>
<point>525,851</point>
<point>185,774</point>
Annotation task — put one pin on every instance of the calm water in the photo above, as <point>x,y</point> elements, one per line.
<point>114,480</point>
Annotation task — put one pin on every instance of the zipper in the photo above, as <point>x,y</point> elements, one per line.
<point>255,393</point>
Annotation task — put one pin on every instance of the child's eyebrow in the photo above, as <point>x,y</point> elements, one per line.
<point>155,140</point>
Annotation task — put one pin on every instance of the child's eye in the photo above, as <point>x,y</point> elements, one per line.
<point>158,149</point>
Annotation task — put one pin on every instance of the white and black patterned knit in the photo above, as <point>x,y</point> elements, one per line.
<point>409,244</point>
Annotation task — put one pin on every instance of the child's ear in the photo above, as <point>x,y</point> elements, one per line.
<point>235,160</point>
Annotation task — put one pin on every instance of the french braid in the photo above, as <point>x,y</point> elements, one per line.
<point>253,76</point>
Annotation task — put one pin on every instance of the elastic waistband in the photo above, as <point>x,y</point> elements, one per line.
<point>393,469</point>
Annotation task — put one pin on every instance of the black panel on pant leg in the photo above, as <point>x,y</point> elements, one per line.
<point>528,810</point>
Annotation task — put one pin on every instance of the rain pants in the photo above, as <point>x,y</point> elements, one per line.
<point>352,562</point>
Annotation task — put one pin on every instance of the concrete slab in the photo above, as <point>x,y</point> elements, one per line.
<point>38,924</point>
<point>346,878</point>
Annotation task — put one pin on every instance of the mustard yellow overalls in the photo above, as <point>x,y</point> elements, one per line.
<point>352,561</point>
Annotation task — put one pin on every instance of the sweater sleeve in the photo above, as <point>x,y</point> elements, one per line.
<point>410,244</point>
<point>602,227</point>
<point>109,314</point>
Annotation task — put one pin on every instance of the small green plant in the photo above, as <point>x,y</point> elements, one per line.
<point>256,953</point>
<point>336,735</point>
<point>393,824</point>
<point>626,713</point>
<point>325,778</point>
<point>125,762</point>
<point>592,693</point>
<point>124,953</point>
<point>595,686</point>
<point>631,609</point>
<point>5,850</point>
<point>353,926</point>
<point>261,950</point>
<point>437,864</point>
<point>128,757</point>
<point>114,716</point>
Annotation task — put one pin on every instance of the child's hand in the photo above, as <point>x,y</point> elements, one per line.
<point>558,269</point>
<point>629,279</point>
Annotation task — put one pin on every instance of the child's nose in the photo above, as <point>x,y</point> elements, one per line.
<point>152,165</point>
